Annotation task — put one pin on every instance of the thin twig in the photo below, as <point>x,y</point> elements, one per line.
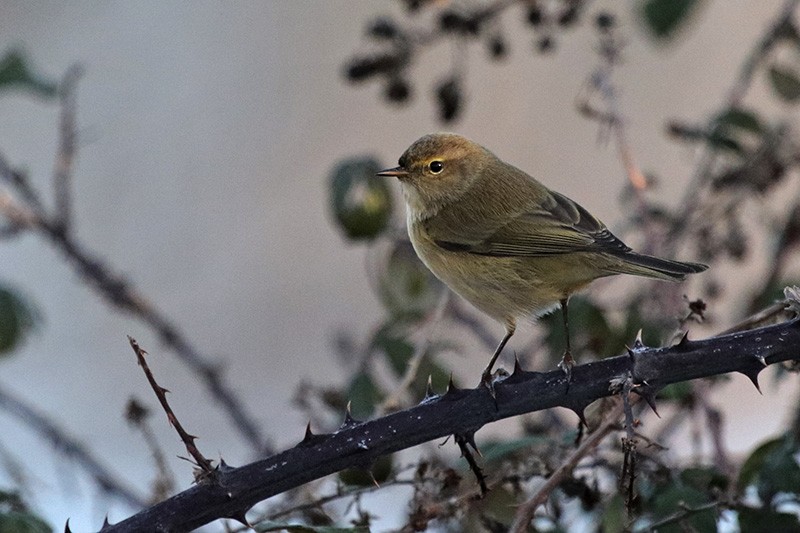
<point>525,512</point>
<point>48,429</point>
<point>62,174</point>
<point>161,393</point>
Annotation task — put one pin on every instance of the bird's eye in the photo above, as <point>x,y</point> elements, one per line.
<point>436,167</point>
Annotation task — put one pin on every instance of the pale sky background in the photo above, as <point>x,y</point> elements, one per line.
<point>209,130</point>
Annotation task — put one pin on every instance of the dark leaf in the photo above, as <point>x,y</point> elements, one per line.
<point>741,118</point>
<point>772,468</point>
<point>363,395</point>
<point>17,318</point>
<point>785,82</point>
<point>361,68</point>
<point>406,287</point>
<point>383,28</point>
<point>22,522</point>
<point>671,498</point>
<point>448,94</point>
<point>752,520</point>
<point>15,72</point>
<point>360,200</point>
<point>359,477</point>
<point>269,525</point>
<point>664,17</point>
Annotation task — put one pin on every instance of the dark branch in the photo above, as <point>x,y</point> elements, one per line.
<point>463,412</point>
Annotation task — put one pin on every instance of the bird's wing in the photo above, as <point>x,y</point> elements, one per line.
<point>556,225</point>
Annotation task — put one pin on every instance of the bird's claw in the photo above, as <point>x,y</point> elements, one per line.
<point>566,364</point>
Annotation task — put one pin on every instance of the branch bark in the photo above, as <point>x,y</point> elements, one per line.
<point>463,412</point>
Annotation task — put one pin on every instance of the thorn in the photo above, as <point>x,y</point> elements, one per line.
<point>309,436</point>
<point>66,527</point>
<point>684,340</point>
<point>429,388</point>
<point>638,344</point>
<point>349,421</point>
<point>240,517</point>
<point>753,376</point>
<point>451,386</point>
<point>469,438</point>
<point>106,523</point>
<point>631,355</point>
<point>650,398</point>
<point>581,415</point>
<point>761,359</point>
<point>372,477</point>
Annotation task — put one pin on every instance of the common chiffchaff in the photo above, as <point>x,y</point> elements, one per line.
<point>505,242</point>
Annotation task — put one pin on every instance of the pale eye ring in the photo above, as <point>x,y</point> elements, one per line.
<point>436,167</point>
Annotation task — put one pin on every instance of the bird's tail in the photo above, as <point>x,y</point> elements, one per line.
<point>655,267</point>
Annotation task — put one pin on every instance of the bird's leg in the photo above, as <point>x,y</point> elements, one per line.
<point>567,362</point>
<point>486,377</point>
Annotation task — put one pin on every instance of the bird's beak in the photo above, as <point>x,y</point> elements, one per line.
<point>397,172</point>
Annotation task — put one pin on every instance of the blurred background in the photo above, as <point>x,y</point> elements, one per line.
<point>207,136</point>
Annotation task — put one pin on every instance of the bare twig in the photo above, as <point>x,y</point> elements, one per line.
<point>161,393</point>
<point>62,174</point>
<point>108,482</point>
<point>526,511</point>
<point>164,483</point>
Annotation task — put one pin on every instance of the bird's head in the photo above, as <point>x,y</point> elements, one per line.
<point>438,169</point>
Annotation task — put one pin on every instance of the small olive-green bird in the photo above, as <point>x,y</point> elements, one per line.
<point>505,242</point>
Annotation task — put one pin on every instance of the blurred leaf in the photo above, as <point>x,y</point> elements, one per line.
<point>448,94</point>
<point>363,395</point>
<point>499,450</point>
<point>588,329</point>
<point>669,500</point>
<point>740,118</point>
<point>22,522</point>
<point>360,200</point>
<point>615,517</point>
<point>664,17</point>
<point>677,392</point>
<point>359,477</point>
<point>752,520</point>
<point>17,318</point>
<point>16,518</point>
<point>269,525</point>
<point>407,289</point>
<point>15,72</point>
<point>785,82</point>
<point>398,349</point>
<point>706,479</point>
<point>772,468</point>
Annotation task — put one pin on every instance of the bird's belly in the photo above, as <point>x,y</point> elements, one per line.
<point>505,288</point>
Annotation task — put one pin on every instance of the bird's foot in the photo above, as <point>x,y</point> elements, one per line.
<point>566,364</point>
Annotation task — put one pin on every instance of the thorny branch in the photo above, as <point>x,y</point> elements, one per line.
<point>235,490</point>
<point>161,393</point>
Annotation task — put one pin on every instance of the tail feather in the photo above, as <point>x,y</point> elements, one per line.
<point>655,267</point>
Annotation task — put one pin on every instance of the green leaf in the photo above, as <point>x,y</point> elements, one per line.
<point>772,468</point>
<point>17,318</point>
<point>361,201</point>
<point>360,477</point>
<point>407,289</point>
<point>498,450</point>
<point>22,522</point>
<point>363,395</point>
<point>669,501</point>
<point>785,82</point>
<point>706,479</point>
<point>269,525</point>
<point>740,118</point>
<point>754,520</point>
<point>15,72</point>
<point>664,17</point>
